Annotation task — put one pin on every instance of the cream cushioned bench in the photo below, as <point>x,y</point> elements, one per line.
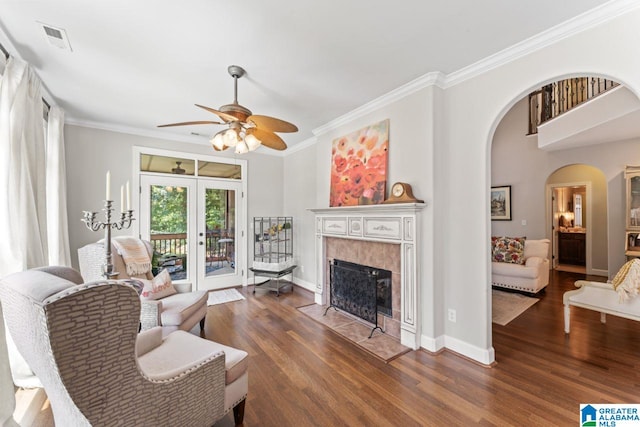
<point>601,297</point>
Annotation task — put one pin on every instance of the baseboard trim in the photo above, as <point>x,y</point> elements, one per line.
<point>433,345</point>
<point>304,284</point>
<point>483,356</point>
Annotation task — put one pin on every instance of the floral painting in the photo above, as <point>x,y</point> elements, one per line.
<point>359,166</point>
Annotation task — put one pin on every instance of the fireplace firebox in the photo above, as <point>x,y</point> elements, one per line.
<point>360,290</point>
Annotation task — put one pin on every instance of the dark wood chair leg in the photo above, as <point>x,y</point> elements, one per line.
<point>238,412</point>
<point>202,324</point>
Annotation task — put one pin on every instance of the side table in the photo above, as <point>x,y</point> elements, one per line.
<point>272,275</point>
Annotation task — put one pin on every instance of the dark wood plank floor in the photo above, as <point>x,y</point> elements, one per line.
<point>302,374</point>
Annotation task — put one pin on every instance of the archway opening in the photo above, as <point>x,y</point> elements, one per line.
<point>536,172</point>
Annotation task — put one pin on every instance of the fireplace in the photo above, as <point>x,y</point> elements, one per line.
<point>360,290</point>
<point>383,236</point>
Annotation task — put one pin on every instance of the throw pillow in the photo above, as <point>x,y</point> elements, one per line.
<point>509,249</point>
<point>159,287</point>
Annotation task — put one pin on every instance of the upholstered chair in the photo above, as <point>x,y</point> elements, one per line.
<point>180,311</point>
<point>82,341</point>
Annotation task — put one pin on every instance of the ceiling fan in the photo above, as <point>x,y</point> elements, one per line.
<point>245,131</point>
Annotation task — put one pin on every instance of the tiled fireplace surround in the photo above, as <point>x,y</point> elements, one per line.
<point>383,236</point>
<point>373,254</point>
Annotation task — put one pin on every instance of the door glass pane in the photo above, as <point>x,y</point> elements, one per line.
<point>220,214</point>
<point>168,230</point>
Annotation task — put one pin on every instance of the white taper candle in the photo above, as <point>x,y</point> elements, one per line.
<point>107,195</point>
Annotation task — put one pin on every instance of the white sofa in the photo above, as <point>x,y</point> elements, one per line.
<point>532,276</point>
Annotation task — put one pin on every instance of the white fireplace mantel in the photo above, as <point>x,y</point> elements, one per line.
<point>390,223</point>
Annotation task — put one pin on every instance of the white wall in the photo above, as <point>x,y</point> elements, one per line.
<point>410,159</point>
<point>300,195</point>
<point>441,143</point>
<point>474,108</point>
<point>91,152</point>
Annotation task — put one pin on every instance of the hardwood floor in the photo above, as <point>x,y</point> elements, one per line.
<point>303,374</point>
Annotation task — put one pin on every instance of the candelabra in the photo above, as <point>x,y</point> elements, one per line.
<point>126,218</point>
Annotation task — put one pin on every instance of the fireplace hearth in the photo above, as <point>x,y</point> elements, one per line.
<point>360,290</point>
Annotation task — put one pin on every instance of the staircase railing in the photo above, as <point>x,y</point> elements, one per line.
<point>559,97</point>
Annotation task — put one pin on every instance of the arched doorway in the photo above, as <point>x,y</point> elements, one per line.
<point>534,174</point>
<point>576,217</point>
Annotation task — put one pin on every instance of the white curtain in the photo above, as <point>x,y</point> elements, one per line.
<point>22,201</point>
<point>22,170</point>
<point>57,221</point>
<point>33,198</point>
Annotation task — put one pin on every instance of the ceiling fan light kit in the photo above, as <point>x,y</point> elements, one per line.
<point>246,131</point>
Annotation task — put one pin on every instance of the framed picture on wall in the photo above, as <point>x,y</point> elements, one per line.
<point>501,203</point>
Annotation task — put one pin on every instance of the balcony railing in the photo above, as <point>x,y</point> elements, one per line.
<point>557,98</point>
<point>176,244</point>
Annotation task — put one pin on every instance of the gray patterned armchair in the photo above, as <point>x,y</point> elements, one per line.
<point>82,341</point>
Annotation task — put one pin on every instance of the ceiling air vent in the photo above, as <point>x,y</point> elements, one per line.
<point>56,36</point>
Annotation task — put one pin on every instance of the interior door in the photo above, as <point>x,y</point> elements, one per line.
<point>167,220</point>
<point>220,229</point>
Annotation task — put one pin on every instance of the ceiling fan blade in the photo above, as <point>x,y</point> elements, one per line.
<point>269,139</point>
<point>199,122</point>
<point>272,124</point>
<point>224,116</point>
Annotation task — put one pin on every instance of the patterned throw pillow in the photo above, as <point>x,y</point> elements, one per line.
<point>509,249</point>
<point>159,287</point>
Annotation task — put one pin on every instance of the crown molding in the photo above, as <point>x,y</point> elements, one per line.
<point>200,140</point>
<point>301,146</point>
<point>586,20</point>
<point>589,19</point>
<point>137,131</point>
<point>430,79</point>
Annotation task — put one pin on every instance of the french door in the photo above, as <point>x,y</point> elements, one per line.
<point>194,225</point>
<point>219,232</point>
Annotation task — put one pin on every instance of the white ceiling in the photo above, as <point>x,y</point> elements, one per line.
<point>137,64</point>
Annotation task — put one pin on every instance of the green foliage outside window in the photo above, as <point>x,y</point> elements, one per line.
<point>169,209</point>
<point>216,206</point>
